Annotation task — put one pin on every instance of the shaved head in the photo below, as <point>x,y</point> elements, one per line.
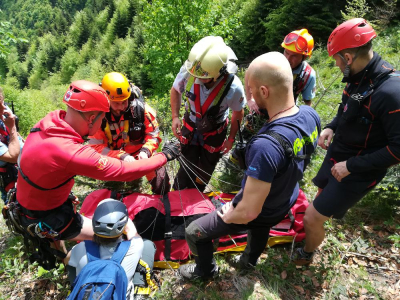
<point>273,70</point>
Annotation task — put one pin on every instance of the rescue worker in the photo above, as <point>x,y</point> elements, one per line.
<point>109,222</point>
<point>130,130</point>
<point>53,154</point>
<point>10,145</point>
<point>270,186</point>
<point>207,84</point>
<point>363,140</point>
<point>298,46</point>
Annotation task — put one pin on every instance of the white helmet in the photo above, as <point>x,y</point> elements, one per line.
<point>210,58</point>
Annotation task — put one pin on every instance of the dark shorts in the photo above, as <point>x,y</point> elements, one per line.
<point>336,197</point>
<point>57,218</point>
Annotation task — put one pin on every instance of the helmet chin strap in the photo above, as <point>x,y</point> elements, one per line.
<point>90,124</point>
<point>346,72</point>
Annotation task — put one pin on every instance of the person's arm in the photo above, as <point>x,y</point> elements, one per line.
<point>175,107</point>
<point>87,162</point>
<point>11,155</point>
<point>152,133</point>
<point>236,101</point>
<point>254,195</point>
<point>99,142</point>
<point>389,116</point>
<point>251,103</point>
<point>236,115</point>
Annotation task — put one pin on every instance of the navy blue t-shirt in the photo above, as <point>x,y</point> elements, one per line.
<point>266,159</point>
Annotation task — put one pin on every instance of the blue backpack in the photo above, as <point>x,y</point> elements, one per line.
<point>101,278</point>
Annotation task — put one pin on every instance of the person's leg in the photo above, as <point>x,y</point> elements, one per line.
<point>199,236</point>
<point>159,181</point>
<point>314,228</point>
<point>333,201</point>
<point>185,178</point>
<point>207,163</point>
<point>257,239</point>
<point>149,250</point>
<point>209,160</point>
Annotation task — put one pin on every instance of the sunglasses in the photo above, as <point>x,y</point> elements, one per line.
<point>299,42</point>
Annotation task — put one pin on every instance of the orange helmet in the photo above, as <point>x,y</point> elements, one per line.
<point>85,96</point>
<point>299,41</point>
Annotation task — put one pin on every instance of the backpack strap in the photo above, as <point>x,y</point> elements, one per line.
<point>92,251</point>
<point>298,78</point>
<point>168,229</point>
<point>215,93</point>
<point>286,146</point>
<point>121,251</point>
<point>304,76</point>
<point>218,98</point>
<point>227,87</point>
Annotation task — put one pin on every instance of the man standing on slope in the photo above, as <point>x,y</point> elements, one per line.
<point>298,46</point>
<point>130,130</point>
<point>366,129</point>
<point>53,154</point>
<point>207,84</point>
<point>270,186</point>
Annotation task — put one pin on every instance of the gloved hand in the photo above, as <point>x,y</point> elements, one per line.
<point>171,150</point>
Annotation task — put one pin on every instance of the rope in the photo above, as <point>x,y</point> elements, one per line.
<point>185,167</point>
<point>180,196</point>
<point>211,175</point>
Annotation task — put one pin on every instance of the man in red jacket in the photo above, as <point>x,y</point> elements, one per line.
<point>54,154</point>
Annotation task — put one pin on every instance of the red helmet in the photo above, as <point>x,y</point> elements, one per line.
<point>350,34</point>
<point>86,96</point>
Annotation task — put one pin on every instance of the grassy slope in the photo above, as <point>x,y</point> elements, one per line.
<point>359,258</point>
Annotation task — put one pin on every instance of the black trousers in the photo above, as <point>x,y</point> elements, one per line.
<point>201,233</point>
<point>203,159</point>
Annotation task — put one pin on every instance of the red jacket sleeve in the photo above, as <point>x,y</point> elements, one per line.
<point>87,162</point>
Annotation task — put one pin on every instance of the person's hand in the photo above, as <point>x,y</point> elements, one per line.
<point>8,118</point>
<point>253,106</point>
<point>129,158</point>
<point>325,138</point>
<point>176,127</point>
<point>130,230</point>
<point>142,155</point>
<point>171,150</point>
<point>225,210</point>
<point>339,171</point>
<point>227,146</point>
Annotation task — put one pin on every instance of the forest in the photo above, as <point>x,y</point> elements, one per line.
<point>46,44</point>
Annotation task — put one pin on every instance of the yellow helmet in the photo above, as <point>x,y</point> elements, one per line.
<point>209,58</point>
<point>299,41</point>
<point>117,86</point>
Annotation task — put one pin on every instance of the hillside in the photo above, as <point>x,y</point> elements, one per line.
<point>46,44</point>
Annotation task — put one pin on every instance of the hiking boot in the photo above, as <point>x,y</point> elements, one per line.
<point>238,263</point>
<point>192,272</point>
<point>302,258</point>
